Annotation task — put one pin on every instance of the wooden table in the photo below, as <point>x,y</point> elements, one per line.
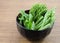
<point>9,9</point>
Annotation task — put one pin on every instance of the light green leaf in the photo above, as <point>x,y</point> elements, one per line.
<point>45,27</point>
<point>33,26</point>
<point>39,19</point>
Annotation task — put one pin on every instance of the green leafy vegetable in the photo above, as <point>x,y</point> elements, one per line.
<point>39,17</point>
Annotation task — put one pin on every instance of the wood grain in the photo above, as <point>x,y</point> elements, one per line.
<point>9,9</point>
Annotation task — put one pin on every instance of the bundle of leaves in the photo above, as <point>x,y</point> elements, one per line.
<point>39,17</point>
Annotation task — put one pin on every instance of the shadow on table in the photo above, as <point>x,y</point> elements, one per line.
<point>37,41</point>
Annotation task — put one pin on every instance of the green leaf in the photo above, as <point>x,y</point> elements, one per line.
<point>36,9</point>
<point>38,25</point>
<point>30,17</point>
<point>30,21</point>
<point>52,21</point>
<point>24,14</point>
<point>26,23</point>
<point>33,9</point>
<point>33,26</point>
<point>48,13</point>
<point>45,27</point>
<point>48,20</point>
<point>39,19</point>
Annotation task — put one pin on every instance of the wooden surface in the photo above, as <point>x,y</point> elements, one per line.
<point>9,9</point>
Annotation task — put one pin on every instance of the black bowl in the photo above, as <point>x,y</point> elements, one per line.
<point>31,34</point>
